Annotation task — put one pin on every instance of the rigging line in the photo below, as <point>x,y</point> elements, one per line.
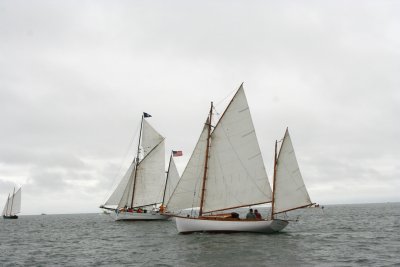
<point>228,95</point>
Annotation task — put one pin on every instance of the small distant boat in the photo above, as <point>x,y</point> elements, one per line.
<point>141,192</point>
<point>13,205</point>
<point>226,171</point>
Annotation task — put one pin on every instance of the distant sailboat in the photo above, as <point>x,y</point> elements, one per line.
<point>13,205</point>
<point>140,191</point>
<point>226,171</point>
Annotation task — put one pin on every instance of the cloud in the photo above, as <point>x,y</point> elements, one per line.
<point>75,79</point>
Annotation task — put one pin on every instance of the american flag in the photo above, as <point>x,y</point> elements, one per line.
<point>177,153</point>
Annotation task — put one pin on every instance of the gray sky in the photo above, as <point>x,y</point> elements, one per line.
<point>76,75</point>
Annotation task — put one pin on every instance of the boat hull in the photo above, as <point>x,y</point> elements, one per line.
<point>10,217</point>
<point>133,216</point>
<point>191,225</point>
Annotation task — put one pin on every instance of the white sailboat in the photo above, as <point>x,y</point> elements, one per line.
<point>13,205</point>
<point>226,171</point>
<point>140,192</point>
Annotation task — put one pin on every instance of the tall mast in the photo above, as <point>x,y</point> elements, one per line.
<point>166,180</point>
<point>137,160</point>
<point>274,180</point>
<point>206,161</point>
<point>12,201</point>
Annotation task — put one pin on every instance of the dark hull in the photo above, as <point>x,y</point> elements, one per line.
<point>10,217</point>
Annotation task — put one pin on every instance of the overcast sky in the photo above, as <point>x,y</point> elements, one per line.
<point>75,77</point>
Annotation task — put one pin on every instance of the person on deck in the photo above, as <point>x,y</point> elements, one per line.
<point>257,214</point>
<point>250,215</point>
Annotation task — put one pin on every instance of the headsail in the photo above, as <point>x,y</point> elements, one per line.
<point>172,180</point>
<point>122,192</point>
<point>236,172</point>
<point>187,192</point>
<point>7,206</point>
<point>289,189</point>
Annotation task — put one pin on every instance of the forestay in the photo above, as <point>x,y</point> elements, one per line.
<point>236,172</point>
<point>290,191</point>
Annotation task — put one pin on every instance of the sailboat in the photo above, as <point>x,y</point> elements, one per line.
<point>226,171</point>
<point>13,205</point>
<point>140,191</point>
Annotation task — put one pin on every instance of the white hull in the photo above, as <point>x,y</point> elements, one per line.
<point>190,225</point>
<point>131,216</point>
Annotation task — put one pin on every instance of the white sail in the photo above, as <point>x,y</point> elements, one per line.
<point>236,172</point>
<point>187,192</point>
<point>6,207</point>
<point>150,138</point>
<point>289,189</point>
<point>126,199</point>
<point>172,180</point>
<point>9,205</point>
<point>150,177</point>
<point>117,196</point>
<point>16,203</point>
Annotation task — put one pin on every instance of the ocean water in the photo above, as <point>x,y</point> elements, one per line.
<point>338,235</point>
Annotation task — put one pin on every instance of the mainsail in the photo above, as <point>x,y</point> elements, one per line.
<point>235,175</point>
<point>13,204</point>
<point>289,190</point>
<point>236,172</point>
<point>150,177</point>
<point>143,183</point>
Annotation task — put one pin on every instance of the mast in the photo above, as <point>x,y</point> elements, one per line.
<point>206,161</point>
<point>12,200</point>
<point>166,180</point>
<point>273,188</point>
<point>137,160</point>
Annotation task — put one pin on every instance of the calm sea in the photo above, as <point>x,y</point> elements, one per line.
<point>340,235</point>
